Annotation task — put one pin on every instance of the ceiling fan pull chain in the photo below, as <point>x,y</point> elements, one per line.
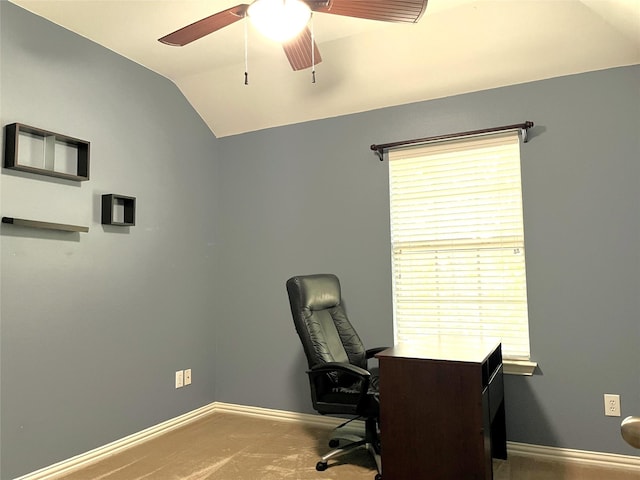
<point>313,52</point>
<point>246,53</point>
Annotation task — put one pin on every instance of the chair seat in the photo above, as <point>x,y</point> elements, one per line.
<point>350,395</point>
<point>374,382</point>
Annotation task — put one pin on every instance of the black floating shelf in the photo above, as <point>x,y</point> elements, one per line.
<point>119,210</point>
<point>45,225</point>
<point>47,143</point>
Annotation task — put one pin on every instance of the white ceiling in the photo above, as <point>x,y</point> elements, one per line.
<point>458,46</point>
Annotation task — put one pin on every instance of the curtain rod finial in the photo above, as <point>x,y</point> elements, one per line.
<point>379,151</point>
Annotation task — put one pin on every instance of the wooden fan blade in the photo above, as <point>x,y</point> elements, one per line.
<point>405,11</point>
<point>205,26</point>
<point>298,51</point>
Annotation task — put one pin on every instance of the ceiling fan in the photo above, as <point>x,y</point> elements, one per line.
<point>301,50</point>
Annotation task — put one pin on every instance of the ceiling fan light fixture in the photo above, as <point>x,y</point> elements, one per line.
<point>279,20</point>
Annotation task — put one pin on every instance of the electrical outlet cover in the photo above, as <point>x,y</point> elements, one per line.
<point>179,379</point>
<point>611,405</point>
<point>187,376</point>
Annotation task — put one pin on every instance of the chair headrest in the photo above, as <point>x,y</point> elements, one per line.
<point>316,292</point>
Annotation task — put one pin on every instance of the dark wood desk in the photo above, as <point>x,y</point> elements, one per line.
<point>442,410</point>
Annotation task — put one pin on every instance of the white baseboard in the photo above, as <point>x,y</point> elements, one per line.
<point>282,415</point>
<point>608,460</point>
<point>582,457</point>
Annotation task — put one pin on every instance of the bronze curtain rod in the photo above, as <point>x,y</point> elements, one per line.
<point>380,149</point>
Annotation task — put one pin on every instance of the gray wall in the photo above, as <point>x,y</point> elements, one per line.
<point>313,198</point>
<point>94,325</point>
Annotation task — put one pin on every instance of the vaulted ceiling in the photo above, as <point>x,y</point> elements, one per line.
<point>458,46</point>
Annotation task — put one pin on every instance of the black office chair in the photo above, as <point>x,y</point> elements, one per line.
<point>338,375</point>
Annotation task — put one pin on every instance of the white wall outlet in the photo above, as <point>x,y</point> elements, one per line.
<point>187,376</point>
<point>611,405</point>
<point>179,379</point>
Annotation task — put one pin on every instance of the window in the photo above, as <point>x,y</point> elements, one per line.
<point>458,241</point>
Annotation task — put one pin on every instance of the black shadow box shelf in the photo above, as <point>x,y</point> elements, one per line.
<point>118,210</point>
<point>33,150</point>
<point>21,222</point>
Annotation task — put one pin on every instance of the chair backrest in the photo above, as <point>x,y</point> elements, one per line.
<point>321,322</point>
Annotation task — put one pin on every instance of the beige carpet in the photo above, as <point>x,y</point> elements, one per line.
<point>227,446</point>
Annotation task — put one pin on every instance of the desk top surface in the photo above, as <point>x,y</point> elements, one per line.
<point>448,348</point>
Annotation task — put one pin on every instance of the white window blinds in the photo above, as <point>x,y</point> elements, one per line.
<point>458,241</point>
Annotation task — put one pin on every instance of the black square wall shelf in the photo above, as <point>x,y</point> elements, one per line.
<point>118,210</point>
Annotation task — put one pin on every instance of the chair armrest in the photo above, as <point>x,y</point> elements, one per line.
<point>371,352</point>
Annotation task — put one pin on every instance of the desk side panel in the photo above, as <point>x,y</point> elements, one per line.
<point>431,419</point>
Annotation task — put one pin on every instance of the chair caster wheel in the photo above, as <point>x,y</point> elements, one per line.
<point>378,476</point>
<point>333,443</point>
<point>321,466</point>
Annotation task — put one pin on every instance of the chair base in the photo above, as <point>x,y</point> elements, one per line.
<point>356,438</point>
<point>347,433</point>
<point>323,463</point>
